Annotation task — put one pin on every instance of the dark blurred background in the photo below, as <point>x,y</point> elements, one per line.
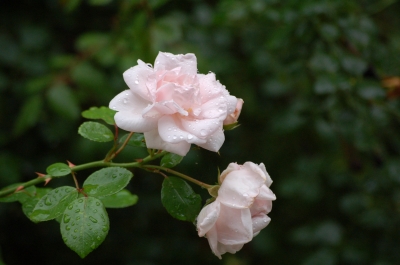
<point>320,81</point>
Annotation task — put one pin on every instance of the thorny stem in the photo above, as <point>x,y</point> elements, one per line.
<point>176,173</point>
<point>94,164</point>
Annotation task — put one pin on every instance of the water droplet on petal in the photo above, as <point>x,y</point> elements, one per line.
<point>203,132</point>
<point>189,136</point>
<point>136,82</point>
<point>125,100</point>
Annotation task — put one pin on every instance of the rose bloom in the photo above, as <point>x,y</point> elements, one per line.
<point>173,105</point>
<point>240,210</point>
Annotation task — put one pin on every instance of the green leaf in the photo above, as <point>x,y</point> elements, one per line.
<point>103,113</point>
<point>53,204</point>
<point>96,132</point>
<point>170,160</point>
<point>29,203</point>
<point>107,181</point>
<point>84,225</point>
<point>137,140</point>
<point>63,102</point>
<point>58,170</point>
<point>179,199</point>
<point>121,199</point>
<point>19,195</point>
<point>28,115</point>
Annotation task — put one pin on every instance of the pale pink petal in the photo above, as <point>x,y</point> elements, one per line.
<point>186,63</point>
<point>201,128</point>
<point>231,167</point>
<point>232,104</point>
<point>212,237</point>
<point>239,188</point>
<point>260,207</point>
<point>266,194</point>
<point>257,169</point>
<point>136,79</point>
<point>234,116</point>
<point>260,222</point>
<point>210,88</point>
<point>129,116</point>
<point>214,141</point>
<point>170,131</point>
<point>234,226</point>
<point>153,140</point>
<point>215,108</point>
<point>268,180</point>
<point>207,217</point>
<point>222,249</point>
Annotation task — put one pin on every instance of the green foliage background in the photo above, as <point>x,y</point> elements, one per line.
<point>315,113</point>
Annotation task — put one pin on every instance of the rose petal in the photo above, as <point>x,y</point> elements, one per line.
<point>207,218</point>
<point>136,79</point>
<point>201,128</point>
<point>153,140</point>
<point>260,207</point>
<point>222,249</point>
<point>268,180</point>
<point>266,194</point>
<point>239,188</point>
<point>170,131</point>
<point>231,167</point>
<point>214,141</point>
<point>234,226</point>
<point>259,223</point>
<point>187,63</point>
<point>129,115</point>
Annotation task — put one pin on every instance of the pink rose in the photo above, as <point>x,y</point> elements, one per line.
<point>233,117</point>
<point>240,211</point>
<point>173,105</point>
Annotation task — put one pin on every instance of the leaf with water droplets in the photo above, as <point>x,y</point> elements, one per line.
<point>95,131</point>
<point>107,181</point>
<point>58,170</point>
<point>121,199</point>
<point>29,203</point>
<point>170,160</point>
<point>84,230</point>
<point>103,113</point>
<point>179,199</point>
<point>53,204</point>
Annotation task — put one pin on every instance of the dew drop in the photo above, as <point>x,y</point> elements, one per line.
<point>95,210</point>
<point>48,202</point>
<point>98,238</point>
<point>190,136</point>
<point>66,218</point>
<point>203,132</point>
<point>80,200</point>
<point>94,220</point>
<point>77,210</point>
<point>76,230</point>
<point>77,218</point>
<point>56,191</point>
<point>174,137</point>
<point>93,246</point>
<point>74,237</point>
<point>98,203</point>
<point>67,228</point>
<point>136,82</point>
<point>125,100</point>
<point>105,229</point>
